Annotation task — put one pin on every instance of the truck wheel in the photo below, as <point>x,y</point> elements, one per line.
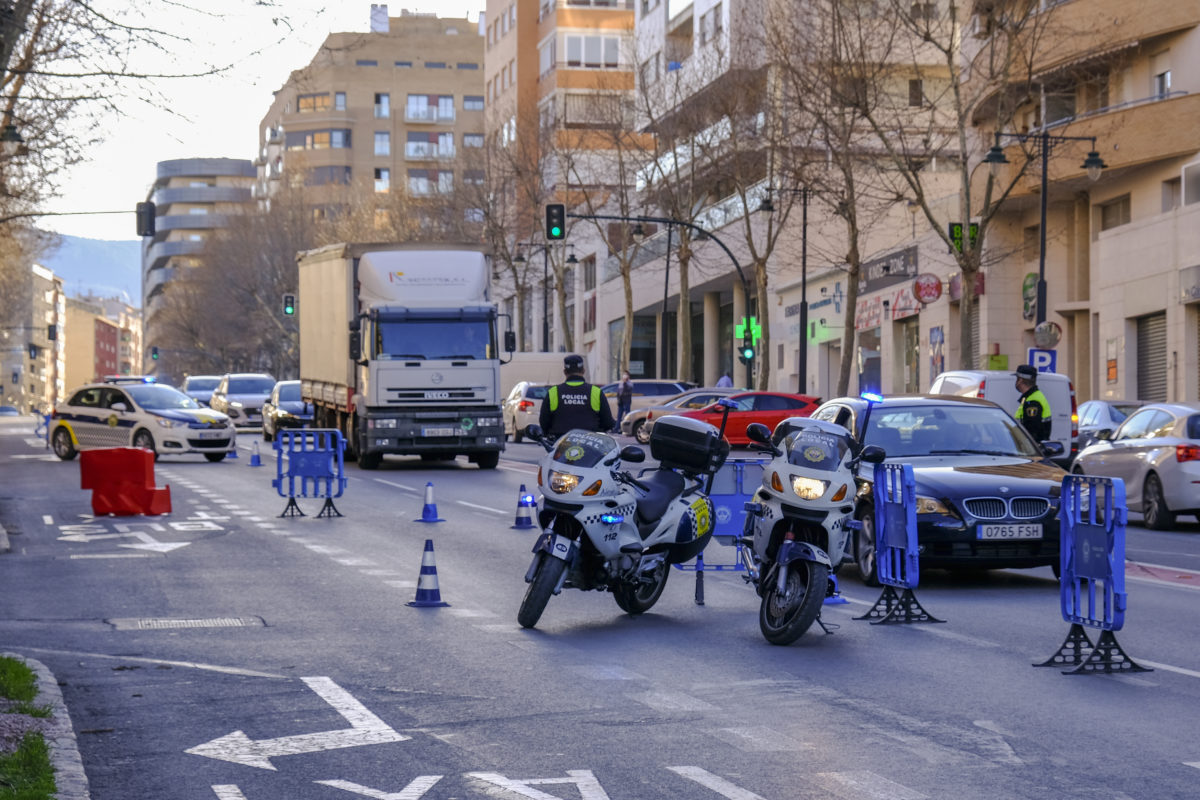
<point>488,460</point>
<point>370,460</point>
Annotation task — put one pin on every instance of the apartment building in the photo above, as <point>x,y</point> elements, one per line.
<point>31,349</point>
<point>194,198</point>
<point>398,109</point>
<point>91,343</point>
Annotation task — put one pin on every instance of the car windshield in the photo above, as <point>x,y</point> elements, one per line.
<point>1122,410</point>
<point>583,449</point>
<point>289,392</point>
<point>200,384</point>
<point>156,397</point>
<point>251,385</point>
<point>907,431</point>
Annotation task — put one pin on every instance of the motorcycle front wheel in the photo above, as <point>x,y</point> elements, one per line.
<point>638,598</point>
<point>540,589</point>
<point>783,618</point>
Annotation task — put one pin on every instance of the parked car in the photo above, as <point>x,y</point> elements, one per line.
<point>285,409</point>
<point>1103,415</point>
<point>128,413</point>
<point>241,395</point>
<point>769,408</point>
<point>639,422</point>
<point>522,407</point>
<point>9,411</point>
<point>999,386</point>
<point>646,392</point>
<point>987,494</point>
<point>1156,452</point>
<point>200,387</point>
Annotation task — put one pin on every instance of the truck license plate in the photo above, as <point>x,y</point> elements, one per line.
<point>1010,531</point>
<point>439,431</point>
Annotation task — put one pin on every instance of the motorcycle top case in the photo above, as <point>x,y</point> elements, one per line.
<point>687,444</point>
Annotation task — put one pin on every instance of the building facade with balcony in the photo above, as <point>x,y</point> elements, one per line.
<point>32,349</point>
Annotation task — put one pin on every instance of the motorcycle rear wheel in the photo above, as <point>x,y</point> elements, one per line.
<point>638,598</point>
<point>784,618</point>
<point>540,589</point>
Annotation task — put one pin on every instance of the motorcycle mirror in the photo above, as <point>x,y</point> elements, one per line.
<point>633,454</point>
<point>533,430</point>
<point>873,454</point>
<point>757,432</point>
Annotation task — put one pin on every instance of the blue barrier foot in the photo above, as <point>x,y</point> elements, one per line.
<point>1107,657</point>
<point>1074,649</point>
<point>328,510</point>
<point>291,509</point>
<point>901,609</point>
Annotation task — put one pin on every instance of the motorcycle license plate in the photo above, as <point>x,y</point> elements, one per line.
<point>1010,531</point>
<point>560,547</point>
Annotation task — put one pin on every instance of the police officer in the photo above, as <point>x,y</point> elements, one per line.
<point>1033,410</point>
<point>575,403</point>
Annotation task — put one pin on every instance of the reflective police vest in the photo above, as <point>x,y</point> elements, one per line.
<point>575,404</point>
<point>1033,412</point>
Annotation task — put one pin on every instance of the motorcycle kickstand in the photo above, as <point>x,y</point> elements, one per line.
<point>828,627</point>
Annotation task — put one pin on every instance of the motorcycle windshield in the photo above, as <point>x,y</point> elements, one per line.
<point>583,448</point>
<point>814,448</point>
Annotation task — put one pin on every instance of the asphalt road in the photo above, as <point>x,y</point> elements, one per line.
<point>222,651</point>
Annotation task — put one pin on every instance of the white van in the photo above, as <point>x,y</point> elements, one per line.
<point>999,386</point>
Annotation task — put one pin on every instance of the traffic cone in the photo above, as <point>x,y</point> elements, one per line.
<point>835,598</point>
<point>429,512</point>
<point>428,595</point>
<point>524,520</point>
<point>255,460</point>
<point>233,452</point>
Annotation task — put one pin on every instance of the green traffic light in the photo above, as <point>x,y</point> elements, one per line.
<point>555,232</point>
<point>748,352</point>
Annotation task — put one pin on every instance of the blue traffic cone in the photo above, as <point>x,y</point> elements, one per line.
<point>428,595</point>
<point>233,452</point>
<point>835,598</point>
<point>525,503</point>
<point>255,460</point>
<point>429,512</point>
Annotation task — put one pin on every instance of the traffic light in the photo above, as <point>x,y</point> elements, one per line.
<point>145,219</point>
<point>746,353</point>
<point>154,352</point>
<point>556,221</point>
<point>289,305</point>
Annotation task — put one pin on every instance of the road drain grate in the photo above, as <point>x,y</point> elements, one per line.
<point>144,624</point>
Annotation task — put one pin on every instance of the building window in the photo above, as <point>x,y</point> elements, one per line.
<point>366,62</point>
<point>339,101</point>
<point>923,12</point>
<point>546,57</point>
<point>649,71</point>
<point>916,93</point>
<point>383,143</point>
<point>418,182</point>
<point>473,102</point>
<point>1115,213</point>
<point>589,273</point>
<point>593,52</point>
<point>429,108</point>
<point>467,65</point>
<point>317,140</point>
<point>473,177</point>
<point>648,6</point>
<point>711,25</point>
<point>309,103</point>
<point>1162,84</point>
<point>435,65</point>
<point>1033,243</point>
<point>472,140</point>
<point>404,64</point>
<point>1172,194</point>
<point>383,180</point>
<point>322,176</point>
<point>383,105</point>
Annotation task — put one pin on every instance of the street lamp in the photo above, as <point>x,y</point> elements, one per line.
<point>769,207</point>
<point>1093,164</point>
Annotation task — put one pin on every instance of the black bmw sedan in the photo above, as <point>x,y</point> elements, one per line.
<point>987,494</point>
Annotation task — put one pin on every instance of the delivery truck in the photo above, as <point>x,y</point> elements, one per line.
<point>399,350</point>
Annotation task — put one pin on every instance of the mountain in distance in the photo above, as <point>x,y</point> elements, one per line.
<point>103,268</point>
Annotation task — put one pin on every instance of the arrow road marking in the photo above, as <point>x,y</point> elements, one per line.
<point>414,791</point>
<point>365,728</point>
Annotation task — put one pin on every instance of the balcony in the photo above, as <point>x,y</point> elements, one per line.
<point>428,114</point>
<point>427,151</point>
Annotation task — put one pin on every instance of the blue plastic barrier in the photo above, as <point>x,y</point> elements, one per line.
<point>897,558</point>
<point>314,465</point>
<point>42,429</point>
<point>1092,518</point>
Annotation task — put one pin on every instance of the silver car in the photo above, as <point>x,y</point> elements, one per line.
<point>241,395</point>
<point>522,407</point>
<point>1156,452</point>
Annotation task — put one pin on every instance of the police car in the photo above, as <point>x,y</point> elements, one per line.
<point>137,412</point>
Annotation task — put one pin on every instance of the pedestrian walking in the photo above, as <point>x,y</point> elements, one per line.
<point>624,397</point>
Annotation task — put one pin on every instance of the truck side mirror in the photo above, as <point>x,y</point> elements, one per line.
<point>355,345</point>
<point>510,341</point>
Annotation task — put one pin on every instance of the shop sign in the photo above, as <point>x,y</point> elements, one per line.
<point>880,273</point>
<point>955,289</point>
<point>927,288</point>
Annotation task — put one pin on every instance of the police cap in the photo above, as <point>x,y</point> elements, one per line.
<point>1027,372</point>
<point>573,363</point>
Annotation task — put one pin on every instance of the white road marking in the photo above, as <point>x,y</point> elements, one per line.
<point>402,584</point>
<point>867,784</point>
<point>397,485</point>
<point>715,783</point>
<point>112,555</point>
<point>1195,764</point>
<point>484,508</point>
<point>379,572</point>
<point>522,470</point>
<point>414,791</point>
<point>325,550</point>
<point>355,562</point>
<point>47,519</point>
<point>761,739</point>
<point>1168,668</point>
<point>585,782</point>
<point>248,673</point>
<point>470,612</point>
<point>365,728</point>
<point>228,792</point>
<point>602,672</point>
<point>672,701</point>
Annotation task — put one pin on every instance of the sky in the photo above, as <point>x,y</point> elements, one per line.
<point>214,117</point>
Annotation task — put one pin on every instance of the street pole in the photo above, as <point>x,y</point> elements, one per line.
<point>666,285</point>
<point>803,389</point>
<point>545,298</point>
<point>1041,284</point>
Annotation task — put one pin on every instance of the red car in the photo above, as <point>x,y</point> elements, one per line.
<point>769,408</point>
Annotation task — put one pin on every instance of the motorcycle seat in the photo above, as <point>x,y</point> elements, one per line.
<point>665,485</point>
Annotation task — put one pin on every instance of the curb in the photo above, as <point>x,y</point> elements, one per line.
<point>69,776</point>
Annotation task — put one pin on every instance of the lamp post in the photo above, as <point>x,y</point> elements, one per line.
<point>769,207</point>
<point>704,234</point>
<point>1093,164</point>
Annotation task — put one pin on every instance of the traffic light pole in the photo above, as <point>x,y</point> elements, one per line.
<point>703,233</point>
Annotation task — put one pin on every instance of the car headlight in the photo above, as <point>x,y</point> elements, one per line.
<point>563,482</point>
<point>931,505</point>
<point>169,423</point>
<point>809,488</point>
<point>234,404</point>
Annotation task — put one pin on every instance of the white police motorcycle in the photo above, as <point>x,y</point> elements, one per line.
<point>604,529</point>
<point>798,521</point>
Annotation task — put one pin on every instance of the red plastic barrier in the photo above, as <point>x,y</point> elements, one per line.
<point>122,482</point>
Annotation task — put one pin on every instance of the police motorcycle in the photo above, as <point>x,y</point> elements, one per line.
<point>604,529</point>
<point>798,521</point>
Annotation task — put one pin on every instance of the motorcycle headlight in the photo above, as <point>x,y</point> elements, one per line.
<point>931,505</point>
<point>563,482</point>
<point>809,488</point>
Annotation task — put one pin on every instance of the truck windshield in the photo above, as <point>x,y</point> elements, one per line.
<point>435,339</point>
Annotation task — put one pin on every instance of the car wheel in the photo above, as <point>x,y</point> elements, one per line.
<point>864,548</point>
<point>641,432</point>
<point>64,448</point>
<point>517,435</point>
<point>145,441</point>
<point>1155,513</point>
<point>215,457</point>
